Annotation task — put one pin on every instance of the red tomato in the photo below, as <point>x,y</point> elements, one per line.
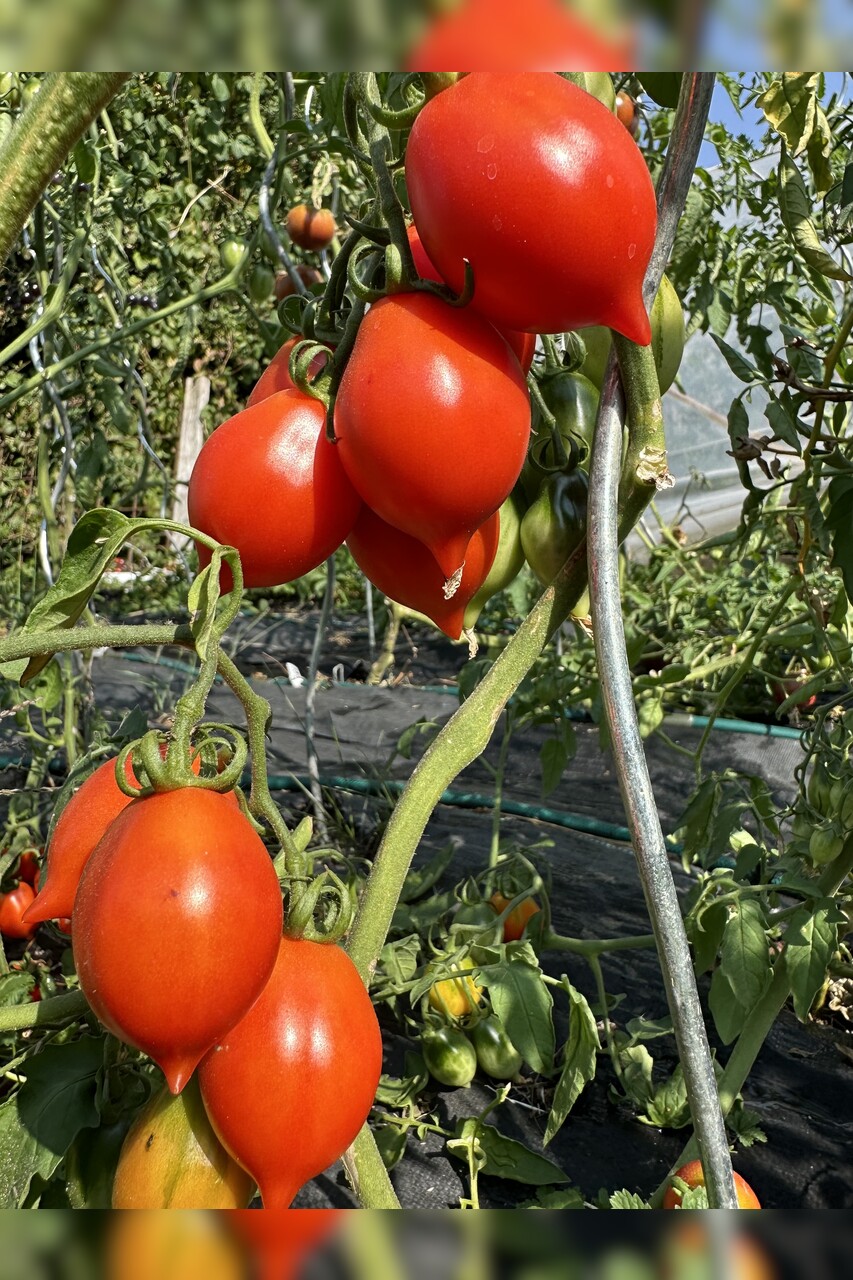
<point>694,1175</point>
<point>29,866</point>
<point>517,919</point>
<point>276,376</point>
<point>433,419</point>
<point>83,821</point>
<point>503,34</point>
<point>523,344</point>
<point>269,483</point>
<point>626,111</point>
<point>288,1088</point>
<point>311,228</point>
<point>180,885</point>
<point>281,1240</point>
<point>403,568</point>
<point>541,188</point>
<point>13,906</point>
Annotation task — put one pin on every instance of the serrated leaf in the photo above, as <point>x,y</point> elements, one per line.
<point>669,1107</point>
<point>796,210</point>
<point>579,1058</point>
<point>39,1122</point>
<point>525,1006</point>
<point>502,1157</point>
<point>92,544</point>
<point>810,940</point>
<point>555,1198</point>
<point>628,1200</point>
<point>739,365</point>
<point>745,954</point>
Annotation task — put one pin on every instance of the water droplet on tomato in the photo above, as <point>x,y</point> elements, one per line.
<point>492,171</point>
<point>632,249</point>
<point>486,143</point>
<point>610,179</point>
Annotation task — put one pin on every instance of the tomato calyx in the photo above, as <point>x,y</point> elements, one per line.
<point>318,909</point>
<point>215,763</point>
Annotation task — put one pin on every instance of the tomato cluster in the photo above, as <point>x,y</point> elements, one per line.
<point>534,185</point>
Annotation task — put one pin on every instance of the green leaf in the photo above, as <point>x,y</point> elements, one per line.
<point>745,954</point>
<point>524,1005</point>
<point>85,160</point>
<point>669,1107</point>
<point>637,1065</point>
<point>628,1200</point>
<point>705,933</point>
<point>729,1014</point>
<point>650,712</point>
<point>783,422</point>
<point>421,879</point>
<point>391,1142</point>
<point>578,1060</point>
<point>502,1157</point>
<point>810,940</point>
<point>40,1121</point>
<point>400,959</point>
<point>796,209</point>
<point>739,365</point>
<point>792,106</point>
<point>663,87</point>
<point>94,541</point>
<point>553,758</point>
<point>399,1091</point>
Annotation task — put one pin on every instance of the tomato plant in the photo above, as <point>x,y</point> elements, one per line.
<point>284,286</point>
<point>450,1057</point>
<point>158,896</point>
<point>404,569</point>
<point>276,376</point>
<point>311,228</point>
<point>628,113</point>
<point>517,213</point>
<point>455,997</point>
<point>554,525</point>
<point>416,457</point>
<point>288,1088</point>
<point>171,1159</point>
<point>29,867</point>
<point>668,338</point>
<point>269,483</point>
<point>13,908</point>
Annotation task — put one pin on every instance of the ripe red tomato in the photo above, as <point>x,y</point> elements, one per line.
<point>282,1240</point>
<point>276,376</point>
<point>311,228</point>
<point>403,568</point>
<point>693,1174</point>
<point>29,866</point>
<point>83,821</point>
<point>433,419</point>
<point>517,919</point>
<point>544,192</point>
<point>289,1087</point>
<point>523,344</point>
<point>13,906</point>
<point>269,483</point>
<point>502,34</point>
<point>284,286</point>
<point>180,885</point>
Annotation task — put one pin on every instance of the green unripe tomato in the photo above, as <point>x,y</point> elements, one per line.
<point>497,1056</point>
<point>232,252</point>
<point>450,1057</point>
<point>261,281</point>
<point>573,400</point>
<point>507,563</point>
<point>825,845</point>
<point>818,787</point>
<point>668,336</point>
<point>555,524</point>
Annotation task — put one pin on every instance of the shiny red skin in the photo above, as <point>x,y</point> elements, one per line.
<point>403,568</point>
<point>280,1240</point>
<point>13,906</point>
<point>180,885</point>
<point>523,344</point>
<point>503,34</point>
<point>276,376</point>
<point>80,826</point>
<point>433,420</point>
<point>544,191</point>
<point>288,1089</point>
<point>270,483</point>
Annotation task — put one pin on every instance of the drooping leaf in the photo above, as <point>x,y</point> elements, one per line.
<point>502,1157</point>
<point>579,1057</point>
<point>796,210</point>
<point>810,940</point>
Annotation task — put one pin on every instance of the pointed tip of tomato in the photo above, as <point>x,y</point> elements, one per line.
<point>449,553</point>
<point>178,1072</point>
<point>277,1194</point>
<point>631,319</point>
<point>44,907</point>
